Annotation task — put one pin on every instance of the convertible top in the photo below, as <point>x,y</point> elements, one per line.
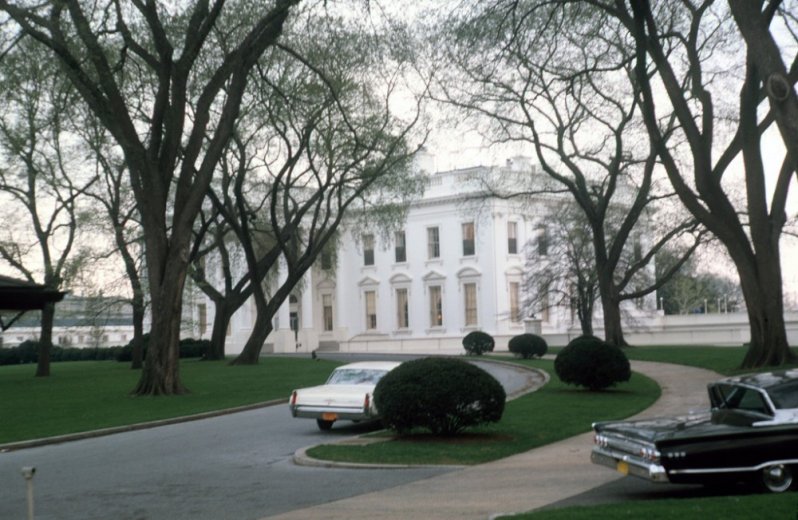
<point>764,380</point>
<point>373,365</point>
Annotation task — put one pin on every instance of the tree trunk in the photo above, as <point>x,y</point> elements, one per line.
<point>221,320</point>
<point>584,311</point>
<point>138,337</point>
<point>613,329</point>
<point>161,374</point>
<point>610,305</point>
<point>45,340</point>
<point>763,296</point>
<point>260,331</point>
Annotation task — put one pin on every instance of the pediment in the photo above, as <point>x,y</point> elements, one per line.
<point>400,278</point>
<point>368,281</point>
<point>433,276</point>
<point>468,272</point>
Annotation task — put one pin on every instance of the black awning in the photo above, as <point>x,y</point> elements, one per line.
<point>21,295</point>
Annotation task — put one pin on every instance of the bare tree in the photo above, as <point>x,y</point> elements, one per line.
<point>678,41</point>
<point>556,78</point>
<point>154,75</point>
<point>568,270</point>
<point>41,177</point>
<point>119,218</point>
<point>318,144</point>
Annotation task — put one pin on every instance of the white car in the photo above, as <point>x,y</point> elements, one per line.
<point>347,394</point>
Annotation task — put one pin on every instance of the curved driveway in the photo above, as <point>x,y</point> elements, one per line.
<point>235,466</point>
<point>523,482</point>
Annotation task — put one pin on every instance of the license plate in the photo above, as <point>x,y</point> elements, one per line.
<point>329,416</point>
<point>622,467</point>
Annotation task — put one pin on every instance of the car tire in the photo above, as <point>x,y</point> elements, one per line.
<point>776,478</point>
<point>324,425</point>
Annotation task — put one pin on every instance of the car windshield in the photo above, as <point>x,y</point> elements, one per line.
<point>355,376</point>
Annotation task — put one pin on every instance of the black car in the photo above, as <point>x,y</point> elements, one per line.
<point>750,434</point>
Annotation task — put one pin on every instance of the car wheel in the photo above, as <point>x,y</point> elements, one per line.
<point>324,425</point>
<point>776,478</point>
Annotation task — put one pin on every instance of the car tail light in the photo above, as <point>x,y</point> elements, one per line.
<point>367,403</point>
<point>293,398</point>
<point>650,454</point>
<point>601,440</point>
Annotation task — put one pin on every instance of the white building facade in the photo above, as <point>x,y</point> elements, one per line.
<point>455,266</point>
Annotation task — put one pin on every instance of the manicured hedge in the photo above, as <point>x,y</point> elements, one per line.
<point>590,362</point>
<point>28,352</point>
<point>528,346</point>
<point>442,395</point>
<point>477,343</point>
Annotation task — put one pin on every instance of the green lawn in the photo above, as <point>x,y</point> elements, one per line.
<point>88,395</point>
<point>783,506</point>
<point>724,360</point>
<point>529,421</point>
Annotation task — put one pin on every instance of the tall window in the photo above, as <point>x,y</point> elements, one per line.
<point>326,260</point>
<point>468,239</point>
<point>368,249</point>
<point>202,311</point>
<point>512,238</point>
<point>470,292</point>
<point>435,306</point>
<point>515,298</point>
<point>400,250</point>
<point>371,310</point>
<point>327,311</point>
<point>543,240</point>
<point>433,243</point>
<point>402,311</point>
<point>544,302</point>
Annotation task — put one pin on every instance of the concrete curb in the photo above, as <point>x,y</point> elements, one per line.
<point>11,446</point>
<point>301,458</point>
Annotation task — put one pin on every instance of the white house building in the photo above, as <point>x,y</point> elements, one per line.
<point>456,265</point>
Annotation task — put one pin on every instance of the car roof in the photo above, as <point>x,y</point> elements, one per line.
<point>764,380</point>
<point>373,365</point>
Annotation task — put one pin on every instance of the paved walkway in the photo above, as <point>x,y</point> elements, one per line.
<point>519,483</point>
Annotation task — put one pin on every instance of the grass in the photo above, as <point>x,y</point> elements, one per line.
<point>782,506</point>
<point>88,395</point>
<point>533,420</point>
<point>723,360</point>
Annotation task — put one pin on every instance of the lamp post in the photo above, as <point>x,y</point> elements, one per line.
<point>27,473</point>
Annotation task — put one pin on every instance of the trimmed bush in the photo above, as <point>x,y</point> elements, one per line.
<point>590,362</point>
<point>477,343</point>
<point>528,346</point>
<point>189,348</point>
<point>194,348</point>
<point>442,395</point>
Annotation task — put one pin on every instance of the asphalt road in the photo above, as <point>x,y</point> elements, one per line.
<point>233,466</point>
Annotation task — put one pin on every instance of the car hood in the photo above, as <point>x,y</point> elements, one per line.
<point>342,395</point>
<point>658,428</point>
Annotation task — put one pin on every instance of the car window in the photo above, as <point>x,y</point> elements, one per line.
<point>785,395</point>
<point>740,398</point>
<point>355,376</point>
<point>752,401</point>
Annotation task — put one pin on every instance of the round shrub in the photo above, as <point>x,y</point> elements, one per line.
<point>590,362</point>
<point>443,395</point>
<point>528,346</point>
<point>477,343</point>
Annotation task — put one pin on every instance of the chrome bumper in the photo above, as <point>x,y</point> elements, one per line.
<point>318,412</point>
<point>628,465</point>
